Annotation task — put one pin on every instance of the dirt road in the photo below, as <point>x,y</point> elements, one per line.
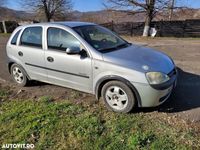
<point>184,102</point>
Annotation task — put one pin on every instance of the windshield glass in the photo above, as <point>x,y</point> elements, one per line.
<point>101,38</point>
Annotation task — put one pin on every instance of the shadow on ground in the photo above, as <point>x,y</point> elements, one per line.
<point>36,84</point>
<point>186,95</point>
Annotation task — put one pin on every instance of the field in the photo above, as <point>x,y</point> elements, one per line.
<point>53,117</point>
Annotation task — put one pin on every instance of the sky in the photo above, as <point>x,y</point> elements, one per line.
<point>94,5</point>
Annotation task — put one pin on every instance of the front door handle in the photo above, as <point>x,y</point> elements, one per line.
<point>50,59</point>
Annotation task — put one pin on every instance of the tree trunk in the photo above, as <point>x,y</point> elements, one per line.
<point>147,26</point>
<point>171,10</point>
<point>149,16</point>
<point>47,15</point>
<point>46,11</point>
<point>48,18</point>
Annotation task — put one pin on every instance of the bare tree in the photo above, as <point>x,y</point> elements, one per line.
<point>171,9</point>
<point>50,8</point>
<point>149,7</point>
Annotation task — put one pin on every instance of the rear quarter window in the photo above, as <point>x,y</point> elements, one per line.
<point>14,39</point>
<point>32,36</point>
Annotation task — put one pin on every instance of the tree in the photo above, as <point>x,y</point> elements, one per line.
<point>50,8</point>
<point>149,7</point>
<point>171,9</point>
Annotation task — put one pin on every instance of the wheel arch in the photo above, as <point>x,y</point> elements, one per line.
<point>100,83</point>
<point>10,63</point>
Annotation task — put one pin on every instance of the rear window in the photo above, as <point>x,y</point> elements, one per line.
<point>14,39</point>
<point>32,36</point>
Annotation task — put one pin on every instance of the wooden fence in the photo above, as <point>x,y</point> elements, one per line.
<point>8,26</point>
<point>186,28</point>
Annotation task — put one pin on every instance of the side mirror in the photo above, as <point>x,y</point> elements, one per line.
<point>73,50</point>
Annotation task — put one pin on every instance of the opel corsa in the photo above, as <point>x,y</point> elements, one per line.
<point>92,59</point>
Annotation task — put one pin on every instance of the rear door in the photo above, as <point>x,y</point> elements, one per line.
<point>74,71</point>
<point>31,51</point>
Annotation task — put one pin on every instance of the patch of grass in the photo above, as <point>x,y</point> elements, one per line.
<point>63,125</point>
<point>5,34</point>
<point>3,93</point>
<point>46,99</point>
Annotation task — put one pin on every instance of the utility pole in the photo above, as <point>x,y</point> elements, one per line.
<point>171,9</point>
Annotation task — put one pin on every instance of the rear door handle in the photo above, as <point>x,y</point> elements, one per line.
<point>50,59</point>
<point>20,53</point>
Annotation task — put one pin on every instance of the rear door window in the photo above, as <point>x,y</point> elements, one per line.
<point>32,36</point>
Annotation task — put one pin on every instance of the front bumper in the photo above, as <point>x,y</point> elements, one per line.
<point>152,96</point>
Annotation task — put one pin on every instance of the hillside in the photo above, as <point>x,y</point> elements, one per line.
<point>13,15</point>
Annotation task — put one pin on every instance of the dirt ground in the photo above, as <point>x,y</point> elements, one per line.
<point>184,102</point>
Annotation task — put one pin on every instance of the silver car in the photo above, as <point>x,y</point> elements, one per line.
<point>92,59</point>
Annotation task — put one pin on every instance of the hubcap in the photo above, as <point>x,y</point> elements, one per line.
<point>116,97</point>
<point>18,75</point>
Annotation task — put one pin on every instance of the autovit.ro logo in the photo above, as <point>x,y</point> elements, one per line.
<point>18,146</point>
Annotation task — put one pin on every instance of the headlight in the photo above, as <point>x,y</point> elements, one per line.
<point>156,77</point>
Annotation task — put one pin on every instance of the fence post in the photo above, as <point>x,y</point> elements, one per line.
<point>112,25</point>
<point>131,29</point>
<point>184,27</point>
<point>161,28</point>
<point>4,26</point>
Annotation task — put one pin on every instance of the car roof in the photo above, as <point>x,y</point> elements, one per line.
<point>73,24</point>
<point>70,24</point>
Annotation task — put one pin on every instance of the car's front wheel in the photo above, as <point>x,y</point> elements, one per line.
<point>18,74</point>
<point>118,96</point>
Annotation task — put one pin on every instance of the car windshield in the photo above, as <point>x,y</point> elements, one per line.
<point>101,38</point>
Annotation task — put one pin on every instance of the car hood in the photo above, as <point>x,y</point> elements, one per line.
<point>140,58</point>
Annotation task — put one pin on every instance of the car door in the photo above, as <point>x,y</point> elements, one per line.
<point>31,51</point>
<point>69,70</point>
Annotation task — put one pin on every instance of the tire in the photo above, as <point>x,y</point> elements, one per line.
<point>18,75</point>
<point>118,97</point>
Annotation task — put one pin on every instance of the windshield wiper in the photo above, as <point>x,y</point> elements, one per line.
<point>108,49</point>
<point>123,45</point>
<point>115,47</point>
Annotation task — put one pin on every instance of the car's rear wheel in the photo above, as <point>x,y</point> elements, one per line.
<point>118,96</point>
<point>18,75</point>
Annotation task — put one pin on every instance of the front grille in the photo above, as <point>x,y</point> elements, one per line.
<point>172,73</point>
